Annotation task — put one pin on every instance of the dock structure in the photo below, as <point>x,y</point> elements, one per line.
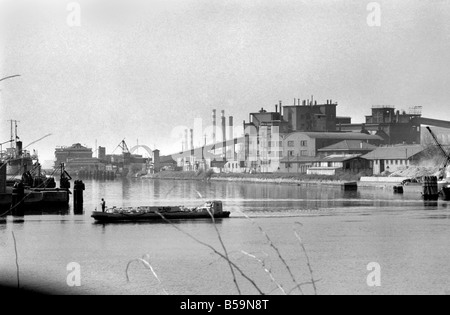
<point>2,177</point>
<point>430,188</point>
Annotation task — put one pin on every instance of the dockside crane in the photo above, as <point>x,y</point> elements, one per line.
<point>123,145</point>
<point>441,148</point>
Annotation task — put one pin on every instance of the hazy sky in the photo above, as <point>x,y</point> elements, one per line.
<point>138,69</point>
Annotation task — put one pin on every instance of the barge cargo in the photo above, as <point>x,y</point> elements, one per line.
<point>154,213</point>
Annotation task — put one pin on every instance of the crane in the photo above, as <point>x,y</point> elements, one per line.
<point>123,146</point>
<point>446,155</point>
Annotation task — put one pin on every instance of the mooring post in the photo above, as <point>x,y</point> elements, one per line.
<point>398,189</point>
<point>351,186</point>
<point>17,203</point>
<point>78,196</point>
<point>430,188</point>
<point>446,193</point>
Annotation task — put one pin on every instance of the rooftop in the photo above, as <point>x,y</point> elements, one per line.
<point>330,158</point>
<point>339,158</point>
<point>350,145</point>
<point>339,135</point>
<point>76,146</point>
<point>394,152</point>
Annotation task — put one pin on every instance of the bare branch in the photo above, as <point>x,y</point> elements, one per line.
<point>307,262</point>
<point>268,271</point>
<point>144,261</point>
<point>17,260</point>
<point>215,251</point>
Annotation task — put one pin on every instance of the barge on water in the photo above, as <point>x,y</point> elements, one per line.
<point>154,213</point>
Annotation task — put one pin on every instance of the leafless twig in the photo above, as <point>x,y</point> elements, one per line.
<point>224,250</point>
<point>215,251</point>
<point>17,260</point>
<point>268,271</point>
<point>303,284</point>
<point>269,240</point>
<point>144,260</point>
<point>313,282</point>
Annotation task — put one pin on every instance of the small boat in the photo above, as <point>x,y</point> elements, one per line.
<point>133,214</point>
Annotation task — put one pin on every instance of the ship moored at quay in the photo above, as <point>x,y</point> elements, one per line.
<point>22,181</point>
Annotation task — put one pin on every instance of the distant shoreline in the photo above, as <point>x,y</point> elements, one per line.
<point>277,178</point>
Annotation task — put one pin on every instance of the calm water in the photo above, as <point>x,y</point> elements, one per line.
<point>342,232</point>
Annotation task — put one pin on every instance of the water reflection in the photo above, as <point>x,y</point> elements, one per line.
<point>431,205</point>
<point>247,197</point>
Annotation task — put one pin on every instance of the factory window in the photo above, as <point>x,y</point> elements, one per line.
<point>304,143</point>
<point>291,144</point>
<point>304,153</point>
<point>291,153</point>
<point>288,165</point>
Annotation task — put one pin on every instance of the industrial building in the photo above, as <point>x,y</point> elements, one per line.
<point>331,165</point>
<point>347,147</point>
<point>306,125</point>
<point>293,136</point>
<point>393,158</point>
<point>76,157</point>
<point>394,126</point>
<point>79,159</point>
<point>302,149</point>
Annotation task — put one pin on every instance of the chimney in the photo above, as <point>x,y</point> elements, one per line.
<point>186,142</point>
<point>19,148</point>
<point>230,126</point>
<point>276,108</point>
<point>192,139</point>
<point>214,122</point>
<point>224,130</point>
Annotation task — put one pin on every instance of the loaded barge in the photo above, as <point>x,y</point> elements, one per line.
<point>154,213</point>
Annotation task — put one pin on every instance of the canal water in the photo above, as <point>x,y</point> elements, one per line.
<point>366,242</point>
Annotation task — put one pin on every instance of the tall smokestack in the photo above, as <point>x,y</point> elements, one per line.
<point>230,127</point>
<point>224,127</point>
<point>186,140</point>
<point>231,137</point>
<point>192,139</point>
<point>214,122</point>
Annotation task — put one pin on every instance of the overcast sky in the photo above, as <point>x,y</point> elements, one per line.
<point>138,69</point>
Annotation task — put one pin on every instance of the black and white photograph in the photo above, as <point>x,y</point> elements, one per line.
<point>225,152</point>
